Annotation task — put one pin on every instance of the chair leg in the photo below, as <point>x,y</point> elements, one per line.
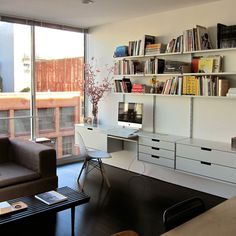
<point>104,176</point>
<point>83,167</point>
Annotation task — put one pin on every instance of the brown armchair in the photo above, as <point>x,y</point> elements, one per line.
<point>26,168</point>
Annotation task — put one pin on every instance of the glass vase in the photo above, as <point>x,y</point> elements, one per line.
<point>95,114</point>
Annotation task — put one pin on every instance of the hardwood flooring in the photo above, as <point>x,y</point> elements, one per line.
<point>134,202</point>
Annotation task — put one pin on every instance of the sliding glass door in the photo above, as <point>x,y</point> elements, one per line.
<point>15,80</point>
<point>57,69</point>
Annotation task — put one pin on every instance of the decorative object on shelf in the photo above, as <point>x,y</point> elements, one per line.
<point>233,142</point>
<point>154,82</point>
<point>96,84</point>
<point>88,120</point>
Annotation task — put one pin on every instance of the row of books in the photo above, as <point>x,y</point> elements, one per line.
<point>210,64</point>
<point>175,45</point>
<point>128,67</point>
<point>138,47</point>
<point>122,85</point>
<point>196,39</point>
<point>179,85</point>
<point>193,39</point>
<point>196,85</point>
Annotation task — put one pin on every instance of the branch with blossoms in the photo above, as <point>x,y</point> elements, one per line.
<point>95,87</point>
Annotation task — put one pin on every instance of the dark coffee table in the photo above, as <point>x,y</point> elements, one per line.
<point>36,207</point>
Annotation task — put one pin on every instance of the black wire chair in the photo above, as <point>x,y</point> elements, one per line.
<point>182,212</point>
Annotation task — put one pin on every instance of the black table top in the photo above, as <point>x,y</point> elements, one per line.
<point>36,207</point>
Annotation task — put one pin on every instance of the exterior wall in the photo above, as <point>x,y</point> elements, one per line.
<point>20,101</point>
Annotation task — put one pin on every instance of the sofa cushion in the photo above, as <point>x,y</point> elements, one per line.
<point>11,173</point>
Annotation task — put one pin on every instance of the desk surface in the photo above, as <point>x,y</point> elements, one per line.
<point>218,221</point>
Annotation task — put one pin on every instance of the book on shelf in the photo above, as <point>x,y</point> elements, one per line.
<point>226,36</point>
<point>205,65</point>
<point>195,64</point>
<point>51,197</point>
<point>223,87</point>
<point>204,42</point>
<point>126,85</point>
<point>170,46</point>
<point>217,63</point>
<point>6,207</point>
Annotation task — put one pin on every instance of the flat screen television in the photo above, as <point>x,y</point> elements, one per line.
<point>130,114</point>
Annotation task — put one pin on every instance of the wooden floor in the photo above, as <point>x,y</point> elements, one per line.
<point>134,202</point>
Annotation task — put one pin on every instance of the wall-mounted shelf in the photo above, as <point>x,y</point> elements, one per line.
<point>177,53</point>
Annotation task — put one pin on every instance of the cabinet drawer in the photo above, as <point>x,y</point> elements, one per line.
<point>157,151</point>
<point>93,138</point>
<point>206,169</point>
<point>156,160</point>
<point>206,154</point>
<point>156,143</point>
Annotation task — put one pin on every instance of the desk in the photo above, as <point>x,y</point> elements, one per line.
<point>218,221</point>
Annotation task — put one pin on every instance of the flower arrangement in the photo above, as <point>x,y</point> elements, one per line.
<point>94,86</point>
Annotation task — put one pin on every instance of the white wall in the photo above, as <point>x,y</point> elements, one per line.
<point>214,119</point>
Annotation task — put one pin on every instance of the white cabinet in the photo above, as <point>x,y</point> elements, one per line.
<point>209,159</point>
<point>93,137</point>
<point>158,149</point>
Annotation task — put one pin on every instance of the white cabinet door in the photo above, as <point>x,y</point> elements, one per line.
<point>206,154</point>
<point>206,169</point>
<point>158,160</point>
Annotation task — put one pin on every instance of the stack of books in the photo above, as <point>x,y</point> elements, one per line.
<point>157,48</point>
<point>139,88</point>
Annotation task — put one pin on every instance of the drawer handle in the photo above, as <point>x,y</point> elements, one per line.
<point>154,156</point>
<point>89,128</point>
<point>205,163</point>
<point>155,148</point>
<point>155,140</point>
<point>206,149</point>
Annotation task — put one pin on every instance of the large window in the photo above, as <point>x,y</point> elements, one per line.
<point>4,123</point>
<point>22,123</point>
<point>46,118</point>
<point>67,117</point>
<point>58,66</point>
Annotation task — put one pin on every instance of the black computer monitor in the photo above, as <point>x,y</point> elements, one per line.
<point>130,114</point>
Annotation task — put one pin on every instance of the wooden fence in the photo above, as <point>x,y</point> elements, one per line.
<point>59,75</point>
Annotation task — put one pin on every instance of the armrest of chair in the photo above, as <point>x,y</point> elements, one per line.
<point>34,156</point>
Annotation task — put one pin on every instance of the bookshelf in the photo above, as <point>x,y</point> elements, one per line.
<point>227,72</point>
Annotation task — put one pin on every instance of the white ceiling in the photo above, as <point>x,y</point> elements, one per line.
<point>74,13</point>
